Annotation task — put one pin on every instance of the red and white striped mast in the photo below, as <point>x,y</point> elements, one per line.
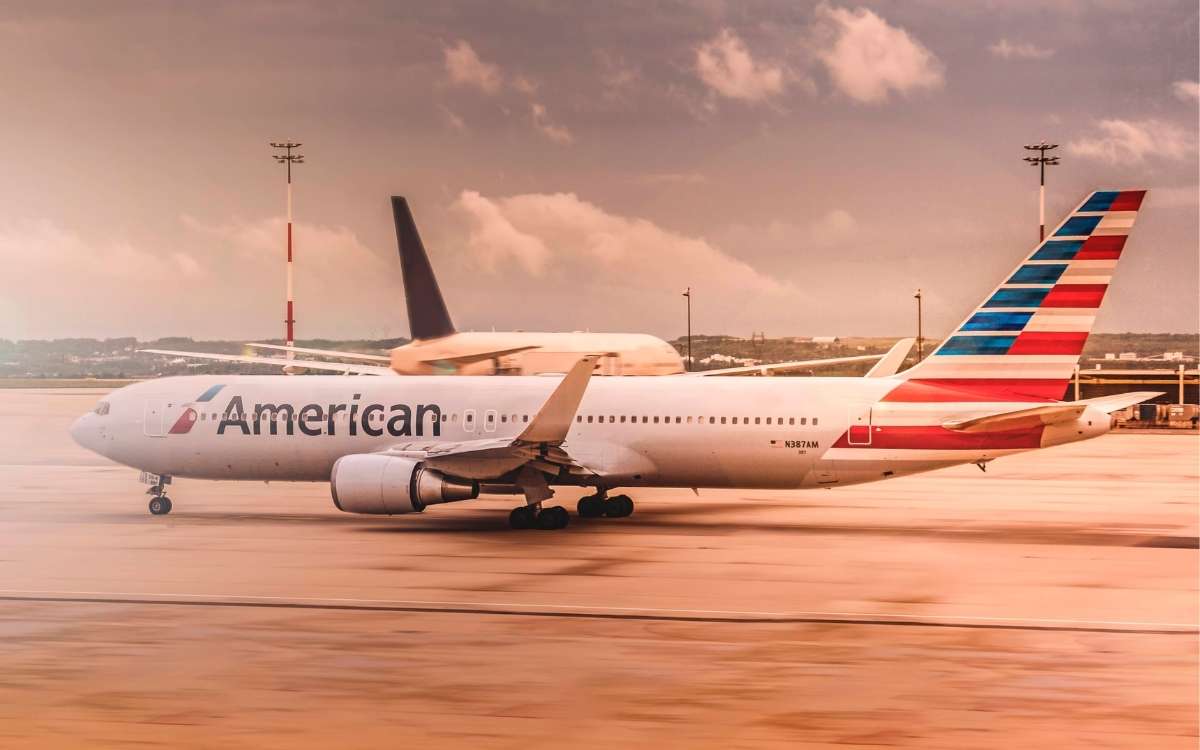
<point>288,158</point>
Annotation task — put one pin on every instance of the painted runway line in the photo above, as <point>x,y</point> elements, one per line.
<point>602,612</point>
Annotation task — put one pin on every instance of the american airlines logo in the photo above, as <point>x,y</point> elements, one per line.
<point>397,420</point>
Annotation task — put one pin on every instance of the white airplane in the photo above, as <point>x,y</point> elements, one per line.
<point>438,348</point>
<point>399,445</point>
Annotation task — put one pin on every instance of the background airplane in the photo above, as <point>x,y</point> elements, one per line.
<point>438,348</point>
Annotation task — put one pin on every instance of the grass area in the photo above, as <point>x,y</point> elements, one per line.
<point>63,383</point>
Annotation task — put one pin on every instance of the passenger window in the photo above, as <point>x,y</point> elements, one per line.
<point>712,420</point>
<point>791,420</point>
<point>578,418</point>
<point>645,420</point>
<point>803,421</point>
<point>814,421</point>
<point>758,420</point>
<point>503,418</point>
<point>656,420</point>
<point>589,419</point>
<point>722,420</point>
<point>678,420</point>
<point>689,420</point>
<point>491,417</point>
<point>611,419</point>
<point>622,419</point>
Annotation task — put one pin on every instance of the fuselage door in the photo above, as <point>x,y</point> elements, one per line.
<point>489,420</point>
<point>469,420</point>
<point>859,432</point>
<point>153,417</point>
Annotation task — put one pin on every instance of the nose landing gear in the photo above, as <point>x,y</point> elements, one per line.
<point>160,504</point>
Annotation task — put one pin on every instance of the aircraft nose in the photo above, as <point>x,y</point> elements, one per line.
<point>83,432</point>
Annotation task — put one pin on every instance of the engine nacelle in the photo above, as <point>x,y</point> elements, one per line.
<point>387,485</point>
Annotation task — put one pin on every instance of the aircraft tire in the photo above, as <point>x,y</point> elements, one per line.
<point>555,517</point>
<point>591,506</point>
<point>522,518</point>
<point>619,506</point>
<point>160,505</point>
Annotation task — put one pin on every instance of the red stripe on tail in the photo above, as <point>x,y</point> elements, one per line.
<point>1075,295</point>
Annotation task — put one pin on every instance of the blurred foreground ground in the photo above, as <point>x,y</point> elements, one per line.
<point>1049,602</point>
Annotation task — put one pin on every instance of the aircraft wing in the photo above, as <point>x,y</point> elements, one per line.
<point>539,445</point>
<point>324,352</point>
<point>890,364</point>
<point>305,364</point>
<point>776,367</point>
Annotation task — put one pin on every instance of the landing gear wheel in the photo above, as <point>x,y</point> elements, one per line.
<point>160,505</point>
<point>618,507</point>
<point>553,518</point>
<point>524,517</point>
<point>591,506</point>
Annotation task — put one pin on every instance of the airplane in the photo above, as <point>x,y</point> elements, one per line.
<point>393,446</point>
<point>438,348</point>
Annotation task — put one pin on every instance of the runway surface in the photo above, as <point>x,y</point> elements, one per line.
<point>1052,600</point>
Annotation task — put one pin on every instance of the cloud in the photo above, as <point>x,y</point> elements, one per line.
<point>1007,50</point>
<point>1135,141</point>
<point>453,120</point>
<point>558,236</point>
<point>543,124</point>
<point>867,58</point>
<point>1188,91</point>
<point>466,69</point>
<point>80,285</point>
<point>725,66</point>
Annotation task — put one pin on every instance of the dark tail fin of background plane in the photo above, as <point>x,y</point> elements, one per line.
<point>427,315</point>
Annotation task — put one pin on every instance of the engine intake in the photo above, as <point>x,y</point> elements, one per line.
<point>388,485</point>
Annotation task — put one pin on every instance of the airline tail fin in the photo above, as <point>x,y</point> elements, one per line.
<point>427,314</point>
<point>1023,342</point>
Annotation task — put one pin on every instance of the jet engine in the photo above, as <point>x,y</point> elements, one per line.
<point>387,485</point>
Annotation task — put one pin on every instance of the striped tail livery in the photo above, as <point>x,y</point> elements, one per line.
<point>1023,342</point>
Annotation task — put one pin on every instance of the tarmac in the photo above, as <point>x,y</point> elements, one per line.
<point>1051,601</point>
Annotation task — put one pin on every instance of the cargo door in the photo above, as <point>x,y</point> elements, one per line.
<point>859,432</point>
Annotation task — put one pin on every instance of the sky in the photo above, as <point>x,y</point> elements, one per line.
<point>804,167</point>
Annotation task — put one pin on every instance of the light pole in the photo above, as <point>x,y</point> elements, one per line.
<point>920,340</point>
<point>688,294</point>
<point>288,158</point>
<point>1041,160</point>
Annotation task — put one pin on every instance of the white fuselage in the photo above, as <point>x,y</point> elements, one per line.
<point>543,352</point>
<point>643,431</point>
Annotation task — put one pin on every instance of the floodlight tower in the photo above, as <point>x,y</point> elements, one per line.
<point>1041,160</point>
<point>288,158</point>
<point>688,294</point>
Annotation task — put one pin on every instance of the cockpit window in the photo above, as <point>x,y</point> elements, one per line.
<point>101,408</point>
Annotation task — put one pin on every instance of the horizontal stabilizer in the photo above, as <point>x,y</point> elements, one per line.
<point>1018,418</point>
<point>1109,404</point>
<point>1048,414</point>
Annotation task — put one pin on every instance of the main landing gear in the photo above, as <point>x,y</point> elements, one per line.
<point>160,504</point>
<point>532,517</point>
<point>595,506</point>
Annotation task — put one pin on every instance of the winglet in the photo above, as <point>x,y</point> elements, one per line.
<point>553,420</point>
<point>427,314</point>
<point>890,364</point>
